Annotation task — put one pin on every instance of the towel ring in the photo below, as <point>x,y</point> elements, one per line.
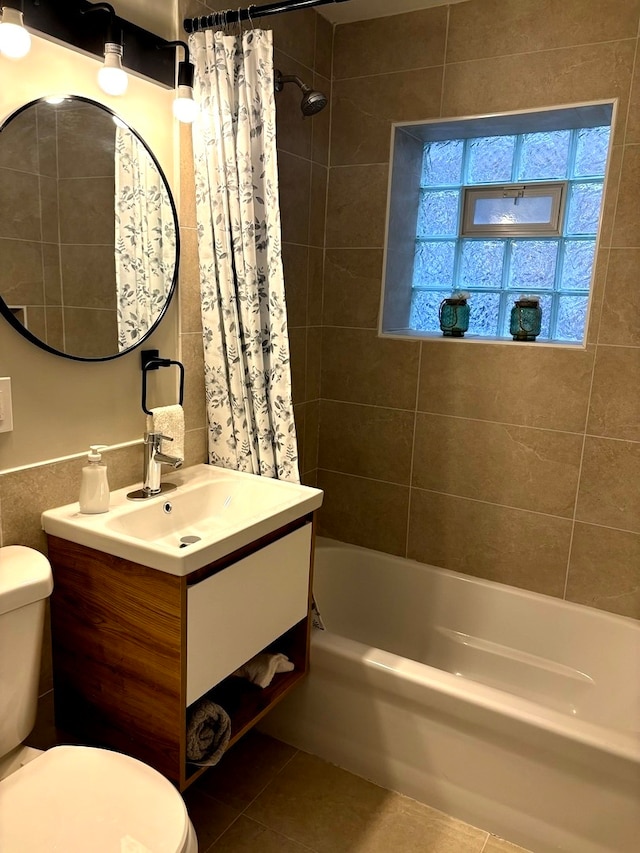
<point>151,361</point>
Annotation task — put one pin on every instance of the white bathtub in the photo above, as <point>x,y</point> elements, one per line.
<point>513,711</point>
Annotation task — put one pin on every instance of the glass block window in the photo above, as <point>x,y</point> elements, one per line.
<point>494,268</point>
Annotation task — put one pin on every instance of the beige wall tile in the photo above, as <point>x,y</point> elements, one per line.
<point>315,294</point>
<point>365,107</point>
<point>364,512</point>
<point>614,409</point>
<point>501,544</point>
<point>413,40</point>
<point>321,123</point>
<point>293,131</point>
<point>357,207</point>
<point>621,305</point>
<point>353,279</point>
<point>88,276</point>
<point>499,845</point>
<point>89,332</point>
<point>311,437</point>
<point>314,362</point>
<point>86,210</point>
<point>626,228</point>
<point>195,446</point>
<point>189,282</point>
<point>187,180</point>
<point>51,228</point>
<point>86,141</point>
<point>366,440</point>
<point>300,418</point>
<point>611,194</point>
<point>597,295</point>
<point>54,333</point>
<point>298,355</point>
<point>327,808</point>
<point>51,269</point>
<point>318,204</point>
<point>294,34</point>
<point>633,118</point>
<point>564,76</point>
<point>483,28</point>
<point>295,182</point>
<point>295,262</point>
<point>520,384</point>
<point>19,149</point>
<point>324,46</point>
<point>604,570</point>
<point>20,193</point>
<point>502,464</point>
<point>360,367</point>
<point>21,273</point>
<point>608,493</point>
<point>193,360</point>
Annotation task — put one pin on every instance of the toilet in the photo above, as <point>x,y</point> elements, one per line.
<point>68,798</point>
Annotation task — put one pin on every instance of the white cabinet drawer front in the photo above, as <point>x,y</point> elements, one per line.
<point>234,614</point>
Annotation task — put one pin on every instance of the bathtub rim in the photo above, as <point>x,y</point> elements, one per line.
<point>417,674</point>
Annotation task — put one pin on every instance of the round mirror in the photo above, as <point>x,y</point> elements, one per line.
<point>88,232</point>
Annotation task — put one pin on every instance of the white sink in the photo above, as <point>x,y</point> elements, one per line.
<point>213,512</point>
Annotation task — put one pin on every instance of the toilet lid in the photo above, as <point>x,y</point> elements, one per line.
<point>77,798</point>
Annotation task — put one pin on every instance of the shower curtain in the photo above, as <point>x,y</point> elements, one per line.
<point>145,244</point>
<point>246,343</point>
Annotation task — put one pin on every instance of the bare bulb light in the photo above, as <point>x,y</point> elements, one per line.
<point>112,78</point>
<point>185,108</point>
<point>15,41</point>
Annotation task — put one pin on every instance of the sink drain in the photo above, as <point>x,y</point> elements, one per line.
<point>188,540</point>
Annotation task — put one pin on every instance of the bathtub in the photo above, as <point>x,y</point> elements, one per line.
<point>516,712</point>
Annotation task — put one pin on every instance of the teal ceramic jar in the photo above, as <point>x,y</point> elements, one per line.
<point>526,320</point>
<point>454,317</point>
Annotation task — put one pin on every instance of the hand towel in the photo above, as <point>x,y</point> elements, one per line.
<point>169,420</point>
<point>261,668</point>
<point>208,732</point>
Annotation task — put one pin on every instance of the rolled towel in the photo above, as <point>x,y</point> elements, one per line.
<point>261,668</point>
<point>208,732</point>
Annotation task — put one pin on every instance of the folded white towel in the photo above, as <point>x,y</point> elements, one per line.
<point>261,668</point>
<point>169,420</point>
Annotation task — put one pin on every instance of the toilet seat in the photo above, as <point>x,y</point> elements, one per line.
<point>78,798</point>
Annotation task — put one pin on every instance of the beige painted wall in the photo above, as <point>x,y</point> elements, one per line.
<point>515,463</point>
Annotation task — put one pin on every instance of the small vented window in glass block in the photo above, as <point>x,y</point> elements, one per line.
<point>425,308</point>
<point>481,263</point>
<point>584,208</point>
<point>544,156</point>
<point>438,213</point>
<point>592,146</point>
<point>490,159</point>
<point>533,264</point>
<point>433,263</point>
<point>442,163</point>
<point>577,264</point>
<point>511,210</point>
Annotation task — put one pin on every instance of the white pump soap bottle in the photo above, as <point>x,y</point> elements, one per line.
<point>94,486</point>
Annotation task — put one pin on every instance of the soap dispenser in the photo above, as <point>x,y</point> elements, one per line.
<point>94,487</point>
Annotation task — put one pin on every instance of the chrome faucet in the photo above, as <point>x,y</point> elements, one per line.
<point>154,459</point>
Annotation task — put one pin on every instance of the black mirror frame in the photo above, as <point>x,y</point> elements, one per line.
<point>4,308</point>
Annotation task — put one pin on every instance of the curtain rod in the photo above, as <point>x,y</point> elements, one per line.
<point>232,16</point>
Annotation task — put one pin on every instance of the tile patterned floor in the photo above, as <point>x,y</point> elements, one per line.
<point>267,797</point>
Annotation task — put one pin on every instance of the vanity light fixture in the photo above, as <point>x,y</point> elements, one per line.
<point>15,41</point>
<point>112,78</point>
<point>185,108</point>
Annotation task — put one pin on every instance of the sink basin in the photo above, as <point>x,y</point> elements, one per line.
<point>213,512</point>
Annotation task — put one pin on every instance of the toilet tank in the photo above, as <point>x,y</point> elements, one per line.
<point>25,584</point>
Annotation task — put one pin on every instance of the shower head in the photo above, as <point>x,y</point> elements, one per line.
<point>312,100</point>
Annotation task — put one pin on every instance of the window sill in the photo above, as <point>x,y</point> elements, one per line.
<point>415,334</point>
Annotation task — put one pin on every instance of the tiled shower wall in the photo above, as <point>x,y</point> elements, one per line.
<point>517,463</point>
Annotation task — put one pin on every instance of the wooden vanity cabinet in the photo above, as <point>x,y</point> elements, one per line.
<point>133,647</point>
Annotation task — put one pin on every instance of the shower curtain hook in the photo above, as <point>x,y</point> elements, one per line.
<point>239,22</point>
<point>249,8</point>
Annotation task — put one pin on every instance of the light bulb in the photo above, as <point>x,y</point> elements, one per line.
<point>184,107</point>
<point>15,41</point>
<point>112,78</point>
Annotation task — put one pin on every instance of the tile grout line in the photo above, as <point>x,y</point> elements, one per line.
<point>444,59</point>
<point>413,448</point>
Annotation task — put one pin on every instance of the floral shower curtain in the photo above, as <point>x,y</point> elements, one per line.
<point>145,243</point>
<point>246,343</point>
